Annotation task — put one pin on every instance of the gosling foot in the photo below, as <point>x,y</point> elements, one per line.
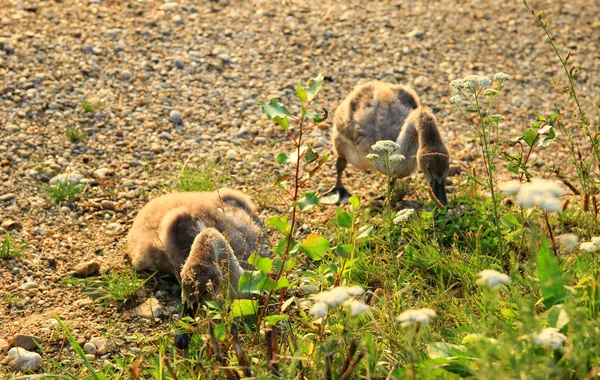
<point>336,196</point>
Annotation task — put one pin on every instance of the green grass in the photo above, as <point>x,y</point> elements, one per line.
<point>92,106</point>
<point>75,135</point>
<point>9,249</point>
<point>114,287</point>
<point>63,191</point>
<point>208,176</point>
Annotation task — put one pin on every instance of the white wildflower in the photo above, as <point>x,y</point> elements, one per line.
<point>457,83</point>
<point>422,316</point>
<point>356,307</point>
<point>456,99</point>
<point>355,290</point>
<point>474,81</point>
<point>568,241</point>
<point>540,192</point>
<point>502,77</point>
<point>549,337</point>
<point>511,187</point>
<point>395,158</point>
<point>596,240</point>
<point>492,278</point>
<point>372,156</point>
<point>403,215</point>
<point>333,297</point>
<point>319,309</point>
<point>385,146</point>
<point>588,246</point>
<point>491,92</point>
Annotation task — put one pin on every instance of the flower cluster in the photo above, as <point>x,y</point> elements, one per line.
<point>403,215</point>
<point>416,316</point>
<point>549,337</point>
<point>591,246</point>
<point>336,296</point>
<point>538,192</point>
<point>492,278</point>
<point>568,241</point>
<point>502,77</point>
<point>385,147</point>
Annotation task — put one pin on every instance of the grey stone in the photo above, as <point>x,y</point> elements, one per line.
<point>166,135</point>
<point>19,359</point>
<point>103,345</point>
<point>26,341</point>
<point>150,309</point>
<point>7,197</point>
<point>88,268</point>
<point>175,117</point>
<point>90,348</point>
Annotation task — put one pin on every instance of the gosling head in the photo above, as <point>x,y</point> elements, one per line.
<point>202,274</point>
<point>433,158</point>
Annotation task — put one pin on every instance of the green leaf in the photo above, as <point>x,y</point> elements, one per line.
<point>310,155</point>
<point>558,317</point>
<point>315,246</point>
<point>280,224</point>
<point>445,350</point>
<point>314,86</point>
<point>343,219</point>
<point>364,231</point>
<point>308,201</point>
<point>274,319</point>
<point>321,117</point>
<point>550,276</point>
<point>307,114</point>
<point>513,168</point>
<point>529,137</point>
<point>250,281</point>
<point>354,202</point>
<point>274,108</point>
<point>281,158</point>
<point>322,161</point>
<point>510,220</point>
<point>264,265</point>
<point>283,121</point>
<point>302,96</point>
<point>241,308</point>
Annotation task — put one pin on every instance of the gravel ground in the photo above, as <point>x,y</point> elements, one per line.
<point>177,80</point>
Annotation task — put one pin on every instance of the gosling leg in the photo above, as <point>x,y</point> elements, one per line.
<point>338,194</point>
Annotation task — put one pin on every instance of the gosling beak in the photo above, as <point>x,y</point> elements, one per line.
<point>439,190</point>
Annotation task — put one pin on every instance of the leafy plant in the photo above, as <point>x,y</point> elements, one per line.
<point>8,250</point>
<point>63,191</point>
<point>75,134</point>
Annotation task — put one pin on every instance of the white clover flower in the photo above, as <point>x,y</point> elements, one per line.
<point>490,91</point>
<point>395,158</point>
<point>385,146</point>
<point>502,77</point>
<point>568,241</point>
<point>492,278</point>
<point>355,290</point>
<point>403,215</point>
<point>319,309</point>
<point>596,240</point>
<point>474,81</point>
<point>457,83</point>
<point>588,246</point>
<point>356,307</point>
<point>549,337</point>
<point>422,316</point>
<point>372,156</point>
<point>333,297</point>
<point>456,99</point>
<point>511,187</point>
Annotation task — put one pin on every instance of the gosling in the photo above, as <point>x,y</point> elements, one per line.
<point>184,234</point>
<point>377,111</point>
